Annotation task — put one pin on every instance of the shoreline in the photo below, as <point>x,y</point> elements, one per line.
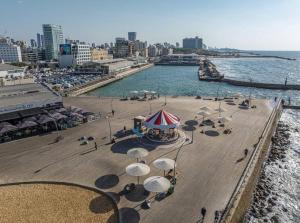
<point>102,83</point>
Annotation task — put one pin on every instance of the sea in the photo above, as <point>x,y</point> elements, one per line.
<point>183,81</point>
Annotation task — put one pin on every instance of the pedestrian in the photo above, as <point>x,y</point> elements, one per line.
<point>96,146</point>
<point>113,112</point>
<point>246,152</point>
<point>289,100</point>
<point>217,215</point>
<point>203,212</point>
<point>275,99</point>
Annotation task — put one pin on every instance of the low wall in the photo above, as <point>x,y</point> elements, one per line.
<point>242,196</point>
<point>108,81</point>
<point>262,85</point>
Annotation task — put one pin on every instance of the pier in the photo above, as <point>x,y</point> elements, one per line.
<point>208,72</point>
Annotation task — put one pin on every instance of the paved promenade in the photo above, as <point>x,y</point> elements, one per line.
<point>208,168</point>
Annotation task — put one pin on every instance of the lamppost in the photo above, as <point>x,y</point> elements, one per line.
<point>108,120</point>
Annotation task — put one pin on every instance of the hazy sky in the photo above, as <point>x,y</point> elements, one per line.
<point>244,24</point>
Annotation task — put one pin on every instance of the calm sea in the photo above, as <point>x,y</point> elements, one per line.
<point>173,80</point>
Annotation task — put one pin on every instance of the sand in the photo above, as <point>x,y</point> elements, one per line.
<point>54,203</point>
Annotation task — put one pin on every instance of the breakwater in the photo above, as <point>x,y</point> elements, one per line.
<point>208,72</point>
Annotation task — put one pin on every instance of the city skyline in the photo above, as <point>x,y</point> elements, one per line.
<point>253,25</point>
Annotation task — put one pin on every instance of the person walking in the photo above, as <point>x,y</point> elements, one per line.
<point>203,212</point>
<point>96,146</point>
<point>113,112</point>
<point>246,152</point>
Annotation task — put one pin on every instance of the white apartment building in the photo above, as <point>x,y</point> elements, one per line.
<point>81,52</point>
<point>74,54</point>
<point>9,52</point>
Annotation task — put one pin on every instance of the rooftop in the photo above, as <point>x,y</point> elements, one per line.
<point>7,67</point>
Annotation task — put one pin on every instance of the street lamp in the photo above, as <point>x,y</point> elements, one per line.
<point>108,120</point>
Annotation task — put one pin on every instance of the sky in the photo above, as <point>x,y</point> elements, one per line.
<point>241,24</point>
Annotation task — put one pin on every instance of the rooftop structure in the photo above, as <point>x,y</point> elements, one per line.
<point>16,100</point>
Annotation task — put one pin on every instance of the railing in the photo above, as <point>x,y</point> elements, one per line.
<point>246,171</point>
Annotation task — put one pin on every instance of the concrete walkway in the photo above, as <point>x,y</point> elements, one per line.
<point>208,168</point>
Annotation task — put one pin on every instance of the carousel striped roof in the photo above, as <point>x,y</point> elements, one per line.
<point>162,120</point>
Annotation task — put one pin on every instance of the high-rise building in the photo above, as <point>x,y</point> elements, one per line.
<point>53,37</point>
<point>192,43</point>
<point>121,48</point>
<point>177,45</point>
<point>132,36</point>
<point>9,52</point>
<point>33,43</point>
<point>40,40</point>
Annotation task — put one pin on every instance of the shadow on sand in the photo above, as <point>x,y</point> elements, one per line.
<point>107,181</point>
<point>127,144</point>
<point>100,205</point>
<point>189,128</point>
<point>138,194</point>
<point>129,215</point>
<point>212,133</point>
<point>191,122</point>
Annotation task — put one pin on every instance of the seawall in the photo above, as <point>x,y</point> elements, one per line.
<point>242,196</point>
<point>102,83</point>
<point>262,85</point>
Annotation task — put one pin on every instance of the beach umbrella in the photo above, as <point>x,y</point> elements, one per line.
<point>62,110</point>
<point>237,95</point>
<point>58,116</point>
<point>164,164</point>
<point>224,119</point>
<point>137,170</point>
<point>32,118</point>
<point>8,128</point>
<point>2,124</point>
<point>137,153</point>
<point>157,184</point>
<point>153,92</point>
<point>203,113</point>
<point>134,92</point>
<point>45,119</point>
<point>221,109</point>
<point>27,124</point>
<point>207,109</point>
<point>145,91</point>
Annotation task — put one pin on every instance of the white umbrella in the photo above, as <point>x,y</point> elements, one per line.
<point>237,95</point>
<point>153,92</point>
<point>208,109</point>
<point>224,119</point>
<point>203,113</point>
<point>164,164</point>
<point>137,153</point>
<point>134,92</point>
<point>137,170</point>
<point>145,91</point>
<point>157,184</point>
<point>221,109</point>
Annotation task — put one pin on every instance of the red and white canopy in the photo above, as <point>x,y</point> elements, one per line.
<point>162,120</point>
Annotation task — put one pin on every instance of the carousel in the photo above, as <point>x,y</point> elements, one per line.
<point>162,127</point>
